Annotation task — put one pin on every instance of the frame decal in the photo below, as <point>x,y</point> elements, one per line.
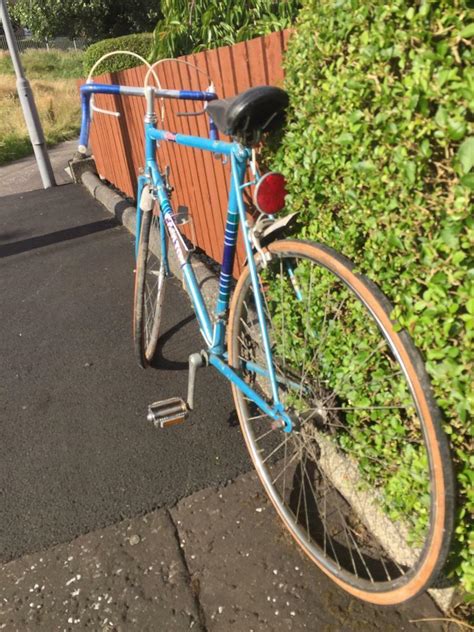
<point>175,238</point>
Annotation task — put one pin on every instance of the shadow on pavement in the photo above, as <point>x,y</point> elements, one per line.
<point>17,247</point>
<point>160,361</point>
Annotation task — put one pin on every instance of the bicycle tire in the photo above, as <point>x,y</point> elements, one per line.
<point>350,544</point>
<point>149,293</point>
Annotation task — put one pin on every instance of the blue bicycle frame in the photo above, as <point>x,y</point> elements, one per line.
<point>212,330</point>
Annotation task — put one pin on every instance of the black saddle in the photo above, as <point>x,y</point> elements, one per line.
<point>250,113</point>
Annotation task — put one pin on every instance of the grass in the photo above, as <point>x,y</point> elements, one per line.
<point>42,64</point>
<point>52,76</point>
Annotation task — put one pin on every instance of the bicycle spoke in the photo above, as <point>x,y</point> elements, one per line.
<point>307,326</point>
<point>275,450</point>
<point>150,284</point>
<point>265,434</point>
<point>316,353</point>
<point>354,368</point>
<point>285,468</point>
<point>324,525</point>
<point>348,531</point>
<point>355,408</point>
<point>304,497</point>
<point>282,303</point>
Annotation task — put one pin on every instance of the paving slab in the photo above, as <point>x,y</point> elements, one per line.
<point>130,576</point>
<point>22,175</point>
<point>250,576</point>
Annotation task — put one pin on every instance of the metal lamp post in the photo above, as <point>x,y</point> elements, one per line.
<point>28,105</point>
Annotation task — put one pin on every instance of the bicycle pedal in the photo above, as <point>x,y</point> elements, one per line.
<point>167,412</point>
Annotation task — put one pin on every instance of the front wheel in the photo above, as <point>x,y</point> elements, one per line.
<point>150,282</point>
<point>363,482</point>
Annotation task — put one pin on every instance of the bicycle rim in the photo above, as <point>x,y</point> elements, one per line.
<point>363,482</point>
<point>150,282</point>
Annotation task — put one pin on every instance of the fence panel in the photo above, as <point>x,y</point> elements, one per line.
<point>27,43</point>
<point>201,181</point>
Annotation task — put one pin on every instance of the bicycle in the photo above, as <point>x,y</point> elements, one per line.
<point>323,381</point>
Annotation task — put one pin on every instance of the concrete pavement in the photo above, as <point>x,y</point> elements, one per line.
<point>22,175</point>
<point>217,561</point>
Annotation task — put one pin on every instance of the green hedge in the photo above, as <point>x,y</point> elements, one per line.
<point>140,44</point>
<point>379,153</point>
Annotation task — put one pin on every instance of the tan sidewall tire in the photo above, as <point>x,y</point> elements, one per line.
<point>420,581</point>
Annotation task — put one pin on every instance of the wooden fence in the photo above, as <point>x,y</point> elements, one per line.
<point>200,181</point>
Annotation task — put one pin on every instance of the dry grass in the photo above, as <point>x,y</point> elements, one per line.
<point>42,64</point>
<point>58,106</point>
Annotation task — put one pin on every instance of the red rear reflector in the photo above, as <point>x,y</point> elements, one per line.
<point>269,196</point>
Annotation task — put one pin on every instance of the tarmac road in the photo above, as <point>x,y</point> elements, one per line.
<point>76,452</point>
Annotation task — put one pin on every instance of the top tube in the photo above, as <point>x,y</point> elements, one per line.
<point>88,89</point>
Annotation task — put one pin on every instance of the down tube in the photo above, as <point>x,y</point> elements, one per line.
<point>194,291</point>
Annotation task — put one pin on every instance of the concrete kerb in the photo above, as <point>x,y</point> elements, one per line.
<point>126,214</point>
<point>208,282</point>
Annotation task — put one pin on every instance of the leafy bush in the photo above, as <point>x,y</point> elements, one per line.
<point>91,19</point>
<point>189,27</point>
<point>140,44</point>
<point>378,153</point>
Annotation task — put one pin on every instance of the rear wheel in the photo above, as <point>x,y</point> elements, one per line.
<point>363,482</point>
<point>150,282</point>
